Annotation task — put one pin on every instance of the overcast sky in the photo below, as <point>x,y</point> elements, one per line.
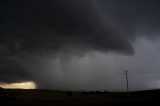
<point>80,44</point>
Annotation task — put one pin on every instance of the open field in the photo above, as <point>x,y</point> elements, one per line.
<point>63,98</point>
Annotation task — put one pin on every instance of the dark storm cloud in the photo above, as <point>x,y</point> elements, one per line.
<point>55,25</point>
<point>69,26</point>
<point>132,16</point>
<point>11,71</point>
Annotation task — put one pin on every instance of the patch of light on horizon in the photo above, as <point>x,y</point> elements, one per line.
<point>21,85</point>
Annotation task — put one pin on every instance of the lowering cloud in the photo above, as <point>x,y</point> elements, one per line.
<point>55,25</point>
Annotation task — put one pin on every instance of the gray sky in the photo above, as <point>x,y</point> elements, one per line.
<point>80,44</point>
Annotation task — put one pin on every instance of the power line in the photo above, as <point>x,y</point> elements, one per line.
<point>137,72</point>
<point>145,72</point>
<point>145,69</point>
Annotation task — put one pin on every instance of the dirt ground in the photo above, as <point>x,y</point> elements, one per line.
<point>68,98</point>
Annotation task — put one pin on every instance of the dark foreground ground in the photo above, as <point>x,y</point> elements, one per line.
<point>60,98</point>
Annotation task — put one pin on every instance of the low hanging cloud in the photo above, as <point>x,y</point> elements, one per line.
<point>56,25</point>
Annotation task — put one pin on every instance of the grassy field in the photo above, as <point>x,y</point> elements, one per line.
<point>67,98</point>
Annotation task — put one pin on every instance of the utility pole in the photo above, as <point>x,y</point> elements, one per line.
<point>126,73</point>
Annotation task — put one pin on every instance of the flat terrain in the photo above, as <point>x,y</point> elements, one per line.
<point>67,98</point>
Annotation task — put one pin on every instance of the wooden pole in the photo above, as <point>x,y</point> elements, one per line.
<point>126,73</point>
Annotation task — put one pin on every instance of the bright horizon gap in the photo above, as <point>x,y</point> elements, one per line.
<point>20,85</point>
